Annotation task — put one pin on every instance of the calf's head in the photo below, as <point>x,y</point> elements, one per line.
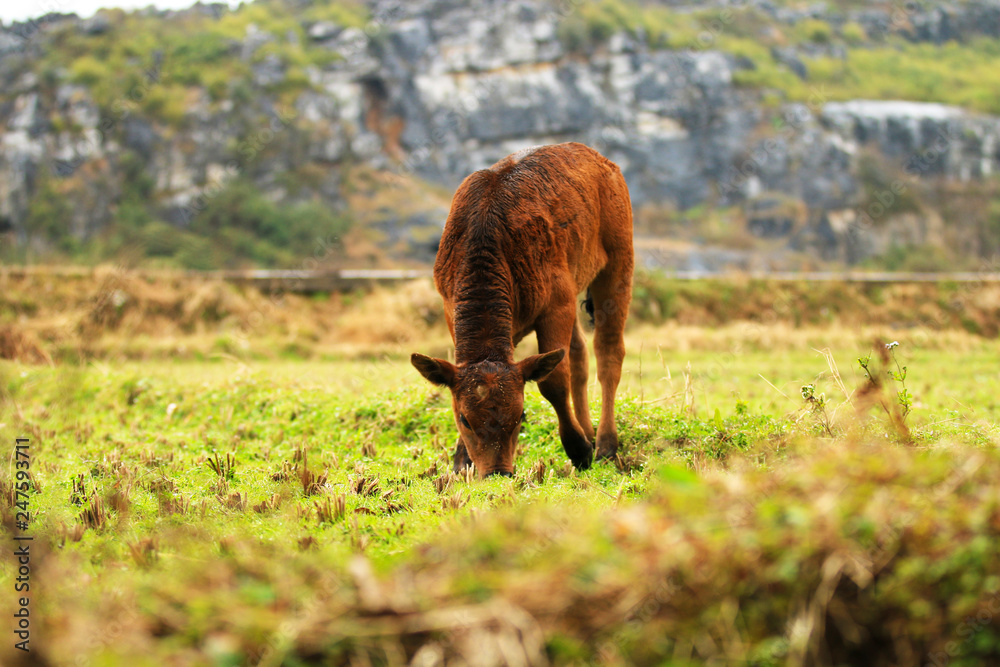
<point>488,401</point>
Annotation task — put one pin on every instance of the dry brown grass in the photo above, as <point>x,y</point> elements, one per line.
<point>19,345</point>
<point>106,313</point>
<point>396,316</point>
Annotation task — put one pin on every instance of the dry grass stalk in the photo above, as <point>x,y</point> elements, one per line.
<point>688,406</point>
<point>78,495</point>
<point>160,484</point>
<point>153,460</point>
<point>538,472</point>
<point>626,463</point>
<point>393,506</point>
<point>456,501</point>
<point>567,470</point>
<point>23,346</point>
<point>835,373</point>
<point>268,504</point>
<point>7,493</point>
<point>234,501</point>
<point>444,482</point>
<point>330,511</point>
<point>311,482</point>
<point>72,533</point>
<point>221,486</point>
<point>173,503</point>
<point>362,484</point>
<point>285,474</point>
<point>120,500</point>
<point>96,514</point>
<point>365,486</point>
<point>143,551</point>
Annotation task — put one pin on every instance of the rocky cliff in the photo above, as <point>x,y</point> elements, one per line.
<point>395,104</point>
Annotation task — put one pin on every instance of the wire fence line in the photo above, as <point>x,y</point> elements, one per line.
<point>340,280</point>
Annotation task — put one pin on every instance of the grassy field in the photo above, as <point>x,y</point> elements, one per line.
<point>214,512</point>
<point>250,501</point>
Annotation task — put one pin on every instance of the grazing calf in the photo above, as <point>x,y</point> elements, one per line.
<point>523,239</point>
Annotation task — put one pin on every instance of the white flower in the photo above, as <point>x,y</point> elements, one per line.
<point>118,298</point>
<point>891,345</point>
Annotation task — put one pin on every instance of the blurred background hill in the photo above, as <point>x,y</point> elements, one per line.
<point>286,133</point>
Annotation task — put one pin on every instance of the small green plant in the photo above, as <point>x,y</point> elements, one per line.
<point>899,409</point>
<point>903,395</point>
<point>817,405</point>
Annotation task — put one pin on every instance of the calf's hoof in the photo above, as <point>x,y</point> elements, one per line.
<point>582,463</point>
<point>607,447</point>
<point>583,458</point>
<point>579,450</point>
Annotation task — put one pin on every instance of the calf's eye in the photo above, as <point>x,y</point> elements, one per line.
<point>465,422</point>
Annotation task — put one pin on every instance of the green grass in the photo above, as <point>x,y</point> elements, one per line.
<point>943,384</point>
<point>709,538</point>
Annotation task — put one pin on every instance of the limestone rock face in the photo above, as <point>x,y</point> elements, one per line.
<point>434,89</point>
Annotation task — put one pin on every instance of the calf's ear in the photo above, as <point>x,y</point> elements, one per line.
<point>538,367</point>
<point>438,371</point>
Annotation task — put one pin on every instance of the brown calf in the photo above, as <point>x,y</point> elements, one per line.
<point>522,240</point>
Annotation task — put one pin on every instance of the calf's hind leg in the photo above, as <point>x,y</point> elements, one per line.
<point>612,292</point>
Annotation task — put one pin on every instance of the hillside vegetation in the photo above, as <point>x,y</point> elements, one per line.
<point>839,58</point>
<point>215,138</point>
